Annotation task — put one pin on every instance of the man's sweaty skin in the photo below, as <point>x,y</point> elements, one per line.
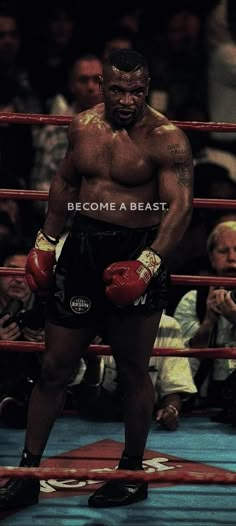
<point>143,158</point>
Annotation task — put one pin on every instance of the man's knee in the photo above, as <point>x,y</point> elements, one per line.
<point>54,374</point>
<point>133,376</point>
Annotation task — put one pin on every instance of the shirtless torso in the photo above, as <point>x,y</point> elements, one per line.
<point>123,160</point>
<point>118,169</point>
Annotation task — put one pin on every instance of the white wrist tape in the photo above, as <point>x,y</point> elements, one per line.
<point>151,260</point>
<point>42,243</point>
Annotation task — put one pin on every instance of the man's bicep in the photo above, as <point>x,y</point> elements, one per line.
<point>172,189</point>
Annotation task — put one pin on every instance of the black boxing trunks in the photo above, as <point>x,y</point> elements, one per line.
<point>77,298</point>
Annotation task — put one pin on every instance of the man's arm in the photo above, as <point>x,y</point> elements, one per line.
<point>64,189</point>
<point>127,281</point>
<point>175,182</point>
<point>175,380</point>
<point>42,258</point>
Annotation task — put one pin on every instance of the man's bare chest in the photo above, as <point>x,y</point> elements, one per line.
<point>113,156</point>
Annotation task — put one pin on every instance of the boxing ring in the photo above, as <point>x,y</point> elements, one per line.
<point>71,472</point>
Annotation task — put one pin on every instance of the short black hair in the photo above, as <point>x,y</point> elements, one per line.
<point>17,248</point>
<point>126,60</point>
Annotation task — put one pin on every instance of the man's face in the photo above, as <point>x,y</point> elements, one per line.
<point>85,83</point>
<point>61,29</point>
<point>14,287</point>
<point>9,40</point>
<point>223,256</point>
<point>124,96</point>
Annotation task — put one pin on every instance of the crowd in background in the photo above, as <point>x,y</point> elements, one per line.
<point>50,60</point>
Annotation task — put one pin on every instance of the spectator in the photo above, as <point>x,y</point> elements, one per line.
<point>178,70</point>
<point>83,86</point>
<point>7,229</point>
<point>21,213</point>
<point>98,395</point>
<point>217,27</point>
<point>15,88</point>
<point>85,92</point>
<point>22,319</point>
<point>119,38</point>
<point>222,85</point>
<point>211,181</point>
<point>208,316</point>
<point>10,208</point>
<point>56,43</point>
<point>15,96</point>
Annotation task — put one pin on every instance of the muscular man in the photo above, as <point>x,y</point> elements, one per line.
<point>123,159</point>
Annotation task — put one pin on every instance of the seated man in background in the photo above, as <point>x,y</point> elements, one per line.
<point>98,395</point>
<point>84,87</point>
<point>208,316</point>
<point>21,318</point>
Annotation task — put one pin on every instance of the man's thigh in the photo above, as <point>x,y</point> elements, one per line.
<point>64,345</point>
<point>132,337</point>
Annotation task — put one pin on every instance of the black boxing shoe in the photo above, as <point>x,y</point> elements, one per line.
<point>17,493</point>
<point>118,493</point>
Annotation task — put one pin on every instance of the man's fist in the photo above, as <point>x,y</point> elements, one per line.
<point>128,280</point>
<point>39,265</point>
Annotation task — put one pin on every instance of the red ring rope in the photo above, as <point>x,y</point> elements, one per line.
<point>38,118</point>
<point>175,278</point>
<point>105,350</point>
<point>172,476</point>
<point>39,195</point>
<point>42,195</point>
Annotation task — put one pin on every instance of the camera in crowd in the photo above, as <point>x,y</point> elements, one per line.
<point>33,318</point>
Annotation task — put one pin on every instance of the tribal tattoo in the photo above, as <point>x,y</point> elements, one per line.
<point>182,164</point>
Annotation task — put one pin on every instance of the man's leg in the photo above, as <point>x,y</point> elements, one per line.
<point>132,339</point>
<point>64,348</point>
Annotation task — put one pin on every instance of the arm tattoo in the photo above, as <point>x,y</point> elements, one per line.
<point>182,164</point>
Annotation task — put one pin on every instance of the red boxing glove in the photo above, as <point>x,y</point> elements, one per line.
<point>40,262</point>
<point>128,280</point>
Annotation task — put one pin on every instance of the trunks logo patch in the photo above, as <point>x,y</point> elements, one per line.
<point>80,304</point>
<point>141,300</point>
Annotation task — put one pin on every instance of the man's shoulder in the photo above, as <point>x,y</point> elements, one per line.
<point>94,114</point>
<point>162,129</point>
